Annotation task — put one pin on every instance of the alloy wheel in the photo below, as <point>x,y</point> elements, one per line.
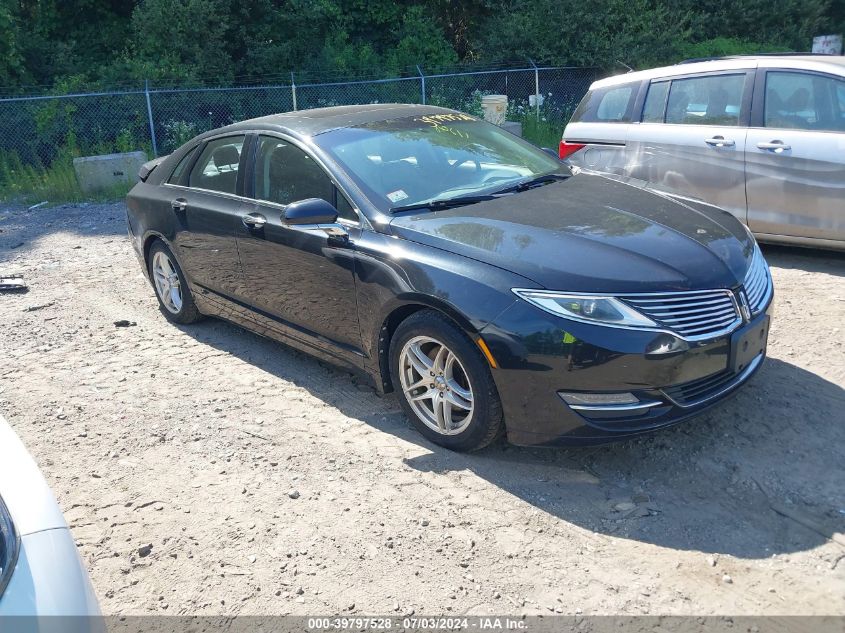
<point>436,385</point>
<point>167,283</point>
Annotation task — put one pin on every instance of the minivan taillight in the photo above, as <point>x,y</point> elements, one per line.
<point>568,149</point>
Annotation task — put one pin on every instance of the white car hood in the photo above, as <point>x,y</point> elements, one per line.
<point>23,488</point>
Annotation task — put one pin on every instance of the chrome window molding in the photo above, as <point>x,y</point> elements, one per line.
<point>297,143</point>
<point>276,205</point>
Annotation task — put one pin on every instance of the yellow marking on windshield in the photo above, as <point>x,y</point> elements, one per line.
<point>434,119</point>
<point>437,121</point>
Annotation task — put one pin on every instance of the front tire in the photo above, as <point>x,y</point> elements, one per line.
<point>174,297</point>
<point>444,383</point>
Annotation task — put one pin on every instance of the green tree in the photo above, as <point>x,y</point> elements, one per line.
<point>182,40</point>
<point>636,32</point>
<point>783,24</point>
<point>11,61</point>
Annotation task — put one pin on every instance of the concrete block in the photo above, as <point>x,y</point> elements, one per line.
<point>102,173</point>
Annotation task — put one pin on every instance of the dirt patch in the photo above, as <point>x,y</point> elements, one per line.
<point>204,470</point>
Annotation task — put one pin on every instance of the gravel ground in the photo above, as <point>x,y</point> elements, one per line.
<point>204,470</point>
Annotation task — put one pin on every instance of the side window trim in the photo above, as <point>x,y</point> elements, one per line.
<point>639,101</point>
<point>249,191</point>
<point>245,182</point>
<point>651,84</point>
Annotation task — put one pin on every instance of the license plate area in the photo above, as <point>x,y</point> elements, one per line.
<point>748,343</point>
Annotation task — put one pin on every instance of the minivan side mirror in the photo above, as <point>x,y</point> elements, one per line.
<point>310,211</point>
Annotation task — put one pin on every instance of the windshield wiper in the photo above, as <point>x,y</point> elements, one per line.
<point>533,182</point>
<point>446,203</point>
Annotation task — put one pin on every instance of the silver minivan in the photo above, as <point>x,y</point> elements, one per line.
<point>762,136</point>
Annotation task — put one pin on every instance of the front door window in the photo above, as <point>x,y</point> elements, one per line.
<point>804,101</point>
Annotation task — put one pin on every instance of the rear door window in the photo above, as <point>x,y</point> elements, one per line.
<point>607,105</point>
<point>804,101</point>
<point>709,100</point>
<point>217,167</point>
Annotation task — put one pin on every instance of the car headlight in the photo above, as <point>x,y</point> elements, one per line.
<point>588,308</point>
<point>9,545</point>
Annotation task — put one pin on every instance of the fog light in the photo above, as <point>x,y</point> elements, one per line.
<point>598,399</point>
<point>666,344</point>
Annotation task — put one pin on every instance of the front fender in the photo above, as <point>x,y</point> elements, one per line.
<point>394,276</point>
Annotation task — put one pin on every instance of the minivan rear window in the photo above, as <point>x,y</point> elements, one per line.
<point>607,105</point>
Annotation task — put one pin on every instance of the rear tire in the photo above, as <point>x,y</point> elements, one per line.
<point>174,297</point>
<point>444,383</point>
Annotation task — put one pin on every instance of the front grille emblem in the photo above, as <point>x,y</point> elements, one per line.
<point>744,306</point>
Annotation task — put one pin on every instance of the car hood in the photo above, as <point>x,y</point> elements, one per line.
<point>592,234</point>
<point>23,488</point>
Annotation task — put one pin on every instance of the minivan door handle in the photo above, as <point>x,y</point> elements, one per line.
<point>719,141</point>
<point>179,204</point>
<point>254,221</point>
<point>777,147</point>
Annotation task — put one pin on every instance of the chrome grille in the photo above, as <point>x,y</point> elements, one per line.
<point>758,282</point>
<point>693,315</point>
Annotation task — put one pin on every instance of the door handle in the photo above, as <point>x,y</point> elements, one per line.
<point>254,221</point>
<point>778,147</point>
<point>719,141</point>
<point>179,204</point>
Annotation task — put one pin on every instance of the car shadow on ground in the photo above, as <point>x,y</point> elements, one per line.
<point>809,260</point>
<point>723,483</point>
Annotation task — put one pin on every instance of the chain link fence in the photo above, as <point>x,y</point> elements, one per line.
<point>36,131</point>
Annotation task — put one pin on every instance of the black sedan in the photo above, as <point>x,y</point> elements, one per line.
<point>448,260</point>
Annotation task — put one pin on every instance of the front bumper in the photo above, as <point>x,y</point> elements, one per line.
<point>539,355</point>
<point>49,580</point>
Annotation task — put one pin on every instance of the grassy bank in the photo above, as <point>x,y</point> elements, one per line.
<point>56,184</point>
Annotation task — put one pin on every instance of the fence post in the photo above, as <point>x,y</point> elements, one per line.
<point>422,83</point>
<point>536,89</point>
<point>150,117</point>
<point>293,90</point>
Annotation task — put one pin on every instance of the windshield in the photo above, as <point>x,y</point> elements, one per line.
<point>412,160</point>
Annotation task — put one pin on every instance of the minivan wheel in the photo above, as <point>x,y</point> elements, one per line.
<point>174,296</point>
<point>444,383</point>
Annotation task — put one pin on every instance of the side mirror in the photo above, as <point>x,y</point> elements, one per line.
<point>310,211</point>
<point>315,213</point>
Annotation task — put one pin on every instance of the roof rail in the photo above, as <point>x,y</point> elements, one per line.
<point>749,56</point>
